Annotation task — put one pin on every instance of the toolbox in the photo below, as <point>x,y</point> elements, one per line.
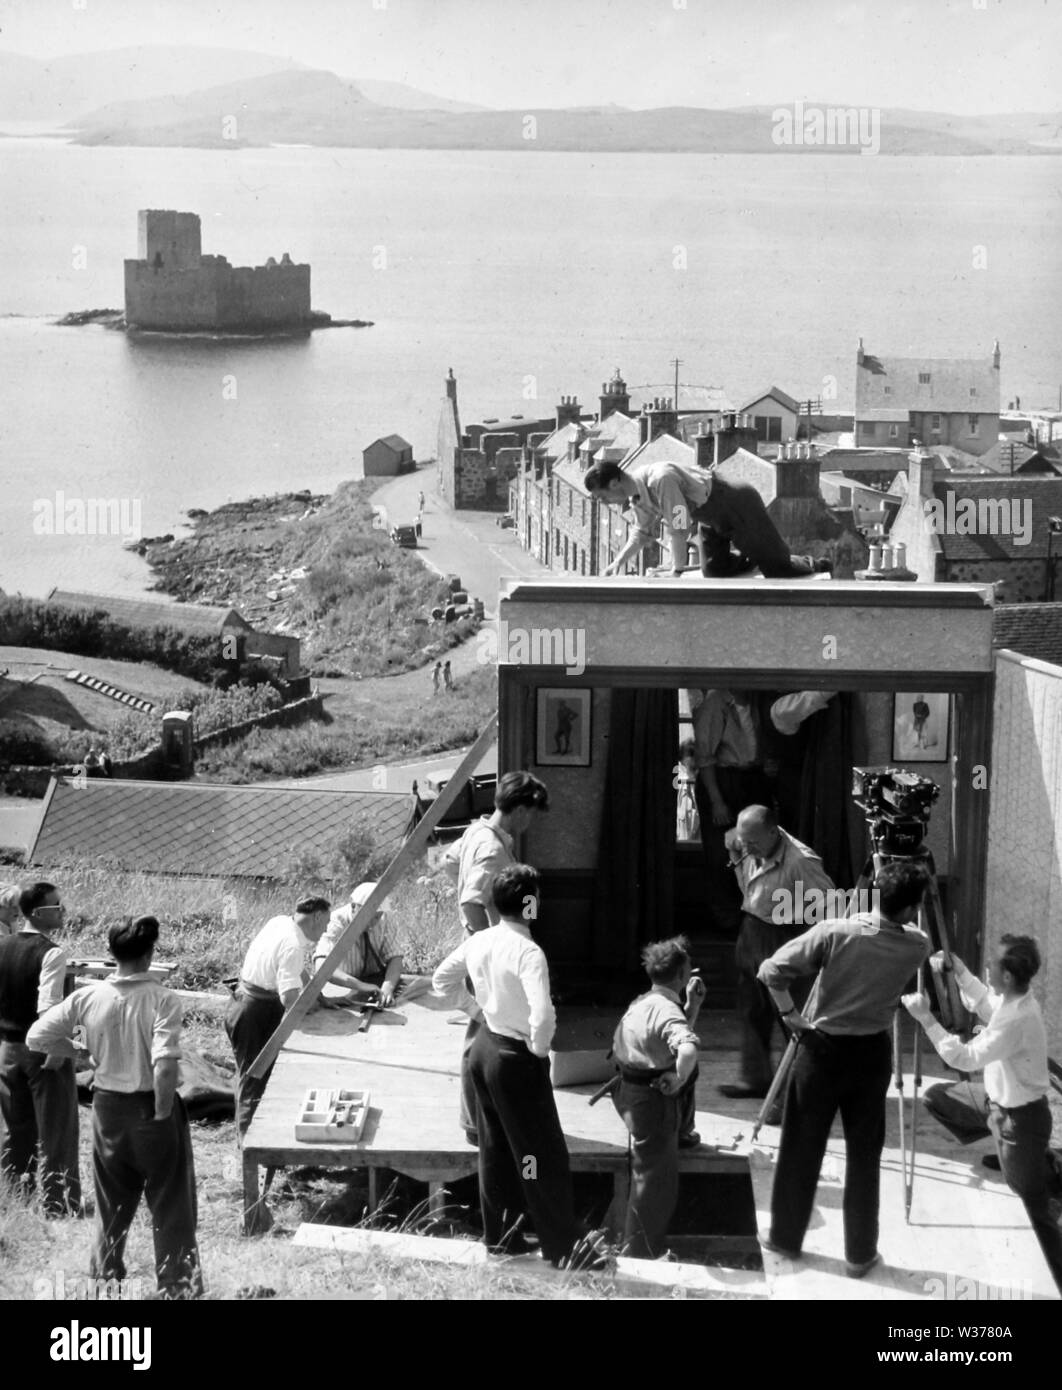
<point>333,1116</point>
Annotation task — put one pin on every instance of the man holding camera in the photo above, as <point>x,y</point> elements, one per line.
<point>1012,1103</point>
<point>655,1047</point>
<point>844,1061</point>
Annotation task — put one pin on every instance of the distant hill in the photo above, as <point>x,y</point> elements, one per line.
<point>63,89</point>
<point>314,107</point>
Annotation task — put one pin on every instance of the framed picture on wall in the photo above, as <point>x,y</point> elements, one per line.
<point>562,727</point>
<point>920,727</point>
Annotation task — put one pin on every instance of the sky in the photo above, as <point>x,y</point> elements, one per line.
<point>966,56</point>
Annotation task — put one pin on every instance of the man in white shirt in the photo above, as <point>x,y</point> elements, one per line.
<point>472,862</point>
<point>141,1145</point>
<point>523,1159</point>
<point>1012,1103</point>
<point>272,978</point>
<point>39,1104</point>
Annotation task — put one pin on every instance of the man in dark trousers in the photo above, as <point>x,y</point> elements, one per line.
<point>472,862</point>
<point>656,1049</point>
<point>683,497</point>
<point>523,1159</point>
<point>844,1061</point>
<point>1012,1103</point>
<point>141,1144</point>
<point>783,887</point>
<point>272,978</point>
<point>39,1104</point>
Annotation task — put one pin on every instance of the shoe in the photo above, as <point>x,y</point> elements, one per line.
<point>773,1116</point>
<point>739,1091</point>
<point>471,1137</point>
<point>824,567</point>
<point>767,1244</point>
<point>991,1162</point>
<point>691,1140</point>
<point>859,1271</point>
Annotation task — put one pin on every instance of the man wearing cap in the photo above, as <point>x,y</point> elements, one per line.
<point>472,862</point>
<point>39,1104</point>
<point>373,961</point>
<point>684,496</point>
<point>272,978</point>
<point>141,1144</point>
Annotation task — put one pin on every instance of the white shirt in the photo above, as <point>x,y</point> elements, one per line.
<point>789,711</point>
<point>510,978</point>
<point>276,958</point>
<point>1012,1050</point>
<point>130,1022</point>
<point>359,960</point>
<point>473,861</point>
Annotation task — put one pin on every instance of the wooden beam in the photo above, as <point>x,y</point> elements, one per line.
<point>414,846</point>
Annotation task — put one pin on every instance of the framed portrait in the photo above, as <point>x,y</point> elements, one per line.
<point>920,727</point>
<point>562,727</point>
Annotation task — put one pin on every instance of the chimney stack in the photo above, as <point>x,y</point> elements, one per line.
<point>731,433</point>
<point>568,411</point>
<point>451,386</point>
<point>995,354</point>
<point>920,473</point>
<point>859,354</point>
<point>614,396</point>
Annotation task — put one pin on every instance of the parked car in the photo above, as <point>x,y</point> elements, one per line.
<point>405,536</point>
<point>507,522</point>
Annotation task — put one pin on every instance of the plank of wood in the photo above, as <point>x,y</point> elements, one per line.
<point>415,845</point>
<point>643,1276</point>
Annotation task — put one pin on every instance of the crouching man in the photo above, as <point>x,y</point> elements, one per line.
<point>141,1145</point>
<point>656,1049</point>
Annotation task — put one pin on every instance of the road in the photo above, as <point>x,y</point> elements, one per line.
<point>469,544</point>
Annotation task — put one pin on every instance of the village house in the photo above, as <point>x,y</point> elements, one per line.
<point>387,457</point>
<point>477,464</point>
<point>948,402</point>
<point>774,414</point>
<point>988,529</point>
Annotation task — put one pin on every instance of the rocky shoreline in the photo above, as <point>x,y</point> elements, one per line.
<point>115,319</point>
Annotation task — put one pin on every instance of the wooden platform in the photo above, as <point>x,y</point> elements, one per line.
<point>968,1237</point>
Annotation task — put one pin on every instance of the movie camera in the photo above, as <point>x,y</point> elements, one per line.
<point>897,806</point>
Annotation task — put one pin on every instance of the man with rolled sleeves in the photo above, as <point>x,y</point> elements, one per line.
<point>844,1058</point>
<point>39,1104</point>
<point>272,977</point>
<point>655,1047</point>
<point>783,886</point>
<point>473,862</point>
<point>141,1144</point>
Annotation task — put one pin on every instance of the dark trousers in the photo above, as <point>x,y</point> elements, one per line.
<point>1022,1137</point>
<point>133,1156</point>
<point>40,1110</point>
<point>653,1121</point>
<point>250,1023</point>
<point>739,787</point>
<point>523,1159</point>
<point>468,1090</point>
<point>831,1073</point>
<point>758,940</point>
<point>735,514</point>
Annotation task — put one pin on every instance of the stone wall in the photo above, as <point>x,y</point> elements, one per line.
<point>1024,864</point>
<point>216,295</point>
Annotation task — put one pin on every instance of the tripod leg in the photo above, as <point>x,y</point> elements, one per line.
<point>909,1178</point>
<point>781,1076</point>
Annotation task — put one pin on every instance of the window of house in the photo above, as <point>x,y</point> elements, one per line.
<point>760,422</point>
<point>973,423</point>
<point>888,390</point>
<point>923,378</point>
<point>935,422</point>
<point>973,392</point>
<point>774,429</point>
<point>565,552</point>
<point>894,431</point>
<point>582,512</point>
<point>571,502</point>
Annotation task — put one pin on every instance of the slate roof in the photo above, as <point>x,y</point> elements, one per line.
<point>211,831</point>
<point>1038,499</point>
<point>947,391</point>
<point>393,441</point>
<point>774,393</point>
<point>187,617</point>
<point>856,461</point>
<point>1032,629</point>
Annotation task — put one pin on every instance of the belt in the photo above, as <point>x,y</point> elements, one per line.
<point>260,995</point>
<point>641,1076</point>
<point>125,1095</point>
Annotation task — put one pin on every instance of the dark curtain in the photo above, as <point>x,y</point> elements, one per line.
<point>827,820</point>
<point>634,886</point>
